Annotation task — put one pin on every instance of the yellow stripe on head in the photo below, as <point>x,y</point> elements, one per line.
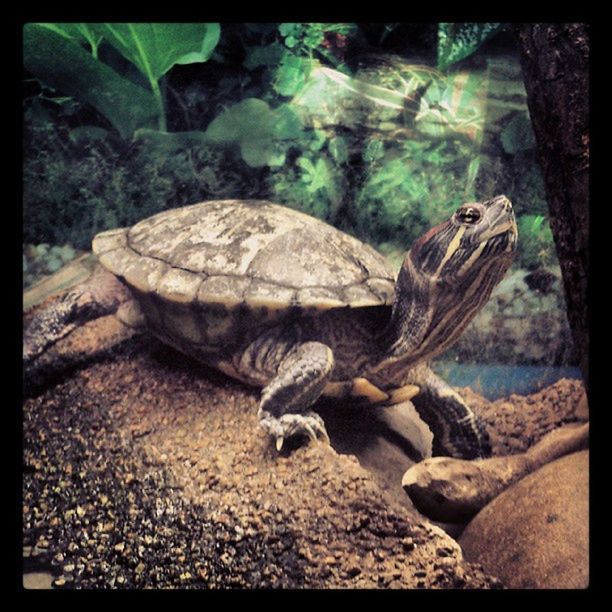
<point>450,251</point>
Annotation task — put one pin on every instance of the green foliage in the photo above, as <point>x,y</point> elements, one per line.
<point>453,105</point>
<point>536,240</point>
<point>412,187</point>
<point>78,182</point>
<point>309,39</point>
<point>291,75</point>
<point>264,55</point>
<point>155,47</point>
<point>53,53</point>
<point>314,184</point>
<point>86,32</point>
<point>385,153</point>
<point>291,58</point>
<point>63,64</point>
<point>263,134</point>
<point>456,41</point>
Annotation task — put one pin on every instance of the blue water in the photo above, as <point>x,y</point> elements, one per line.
<point>495,381</point>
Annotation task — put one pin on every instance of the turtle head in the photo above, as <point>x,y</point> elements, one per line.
<point>448,275</point>
<point>478,239</point>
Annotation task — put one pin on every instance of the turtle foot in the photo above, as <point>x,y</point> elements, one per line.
<point>309,424</point>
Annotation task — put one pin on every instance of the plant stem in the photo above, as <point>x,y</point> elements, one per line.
<point>161,122</point>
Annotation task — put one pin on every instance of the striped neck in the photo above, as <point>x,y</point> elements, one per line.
<point>431,310</point>
<point>446,277</point>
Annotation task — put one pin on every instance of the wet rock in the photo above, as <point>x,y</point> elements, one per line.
<point>536,533</point>
<point>454,490</point>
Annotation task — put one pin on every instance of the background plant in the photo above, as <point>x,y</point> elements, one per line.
<point>123,120</point>
<point>54,53</point>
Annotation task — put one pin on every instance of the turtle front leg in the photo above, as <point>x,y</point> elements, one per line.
<point>457,431</point>
<point>285,401</point>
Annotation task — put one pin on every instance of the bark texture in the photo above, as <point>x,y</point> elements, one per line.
<point>555,61</point>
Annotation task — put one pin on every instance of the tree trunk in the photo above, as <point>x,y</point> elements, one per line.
<point>555,61</point>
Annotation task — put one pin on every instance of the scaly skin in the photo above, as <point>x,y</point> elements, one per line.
<point>100,295</point>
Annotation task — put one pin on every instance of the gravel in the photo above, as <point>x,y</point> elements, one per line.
<point>146,471</point>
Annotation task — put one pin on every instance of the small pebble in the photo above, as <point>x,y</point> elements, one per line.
<point>353,571</point>
<point>407,544</point>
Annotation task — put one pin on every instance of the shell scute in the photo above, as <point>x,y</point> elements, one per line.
<point>246,253</point>
<point>145,273</point>
<point>179,286</point>
<point>228,290</point>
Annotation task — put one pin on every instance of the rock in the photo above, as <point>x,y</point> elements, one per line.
<point>582,410</point>
<point>37,580</point>
<point>305,518</point>
<point>63,279</point>
<point>536,533</point>
<point>454,490</point>
<point>516,423</point>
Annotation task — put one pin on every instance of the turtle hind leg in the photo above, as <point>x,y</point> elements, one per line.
<point>457,431</point>
<point>285,401</point>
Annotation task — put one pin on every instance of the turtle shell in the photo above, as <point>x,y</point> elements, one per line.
<point>250,255</point>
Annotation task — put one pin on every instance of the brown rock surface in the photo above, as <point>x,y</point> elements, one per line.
<point>536,533</point>
<point>454,490</point>
<point>144,469</point>
<point>517,422</point>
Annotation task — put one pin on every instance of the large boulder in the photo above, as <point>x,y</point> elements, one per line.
<point>536,533</point>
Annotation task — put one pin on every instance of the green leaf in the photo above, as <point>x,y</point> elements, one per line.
<point>262,153</point>
<point>292,74</point>
<point>306,165</point>
<point>87,133</point>
<point>78,31</point>
<point>247,119</point>
<point>317,140</point>
<point>287,123</point>
<point>155,47</point>
<point>320,178</point>
<point>267,55</point>
<point>373,150</point>
<point>456,41</point>
<point>288,29</point>
<point>64,65</point>
<point>338,149</point>
<point>261,132</point>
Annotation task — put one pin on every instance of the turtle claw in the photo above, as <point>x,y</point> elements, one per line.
<point>288,425</point>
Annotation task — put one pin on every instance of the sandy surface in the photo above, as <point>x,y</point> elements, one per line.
<point>143,469</point>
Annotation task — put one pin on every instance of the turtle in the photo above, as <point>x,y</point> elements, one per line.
<point>283,301</point>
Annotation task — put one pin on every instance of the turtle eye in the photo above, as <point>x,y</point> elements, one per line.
<point>468,214</point>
